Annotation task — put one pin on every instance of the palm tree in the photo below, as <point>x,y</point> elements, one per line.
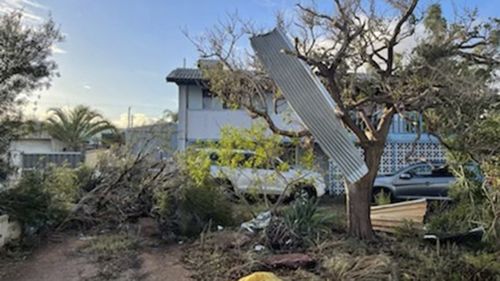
<point>75,127</point>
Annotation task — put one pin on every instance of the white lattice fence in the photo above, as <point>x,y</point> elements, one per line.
<point>394,158</point>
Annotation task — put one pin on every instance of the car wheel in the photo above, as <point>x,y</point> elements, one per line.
<point>305,192</point>
<point>382,195</point>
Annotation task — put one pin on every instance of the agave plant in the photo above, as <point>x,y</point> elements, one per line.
<point>75,127</point>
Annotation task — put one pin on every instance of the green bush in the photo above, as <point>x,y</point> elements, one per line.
<point>41,199</point>
<point>300,225</point>
<point>86,178</point>
<point>474,205</point>
<point>382,198</point>
<point>201,206</point>
<point>190,208</point>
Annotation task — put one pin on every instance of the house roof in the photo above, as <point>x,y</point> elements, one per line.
<point>185,76</point>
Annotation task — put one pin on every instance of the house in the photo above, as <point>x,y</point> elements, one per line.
<point>202,115</point>
<point>38,149</point>
<point>37,142</point>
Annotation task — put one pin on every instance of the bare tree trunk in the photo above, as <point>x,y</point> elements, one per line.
<point>359,197</point>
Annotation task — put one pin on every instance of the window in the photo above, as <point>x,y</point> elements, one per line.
<point>441,172</point>
<point>421,171</point>
<point>212,102</point>
<point>207,100</point>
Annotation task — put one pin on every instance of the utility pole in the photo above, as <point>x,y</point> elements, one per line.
<point>128,117</point>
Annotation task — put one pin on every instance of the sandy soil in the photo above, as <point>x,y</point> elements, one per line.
<point>59,261</point>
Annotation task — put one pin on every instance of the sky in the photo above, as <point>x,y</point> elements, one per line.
<point>117,53</point>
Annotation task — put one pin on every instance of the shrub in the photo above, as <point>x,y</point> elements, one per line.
<point>475,203</point>
<point>193,208</point>
<point>299,225</point>
<point>87,178</point>
<point>483,264</point>
<point>41,199</point>
<point>382,198</point>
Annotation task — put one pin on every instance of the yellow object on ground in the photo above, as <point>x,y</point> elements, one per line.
<point>260,276</point>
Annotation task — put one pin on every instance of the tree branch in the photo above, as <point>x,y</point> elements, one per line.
<point>394,39</point>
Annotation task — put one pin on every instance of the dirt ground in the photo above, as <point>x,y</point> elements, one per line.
<point>60,261</point>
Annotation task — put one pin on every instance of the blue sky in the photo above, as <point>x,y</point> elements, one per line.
<point>118,52</point>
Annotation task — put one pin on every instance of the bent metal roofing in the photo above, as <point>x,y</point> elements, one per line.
<point>310,100</point>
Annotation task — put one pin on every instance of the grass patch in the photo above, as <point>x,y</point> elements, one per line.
<point>115,255</point>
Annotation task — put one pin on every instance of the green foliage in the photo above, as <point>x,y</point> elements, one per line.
<point>264,147</point>
<point>434,21</point>
<point>86,178</point>
<point>192,202</point>
<point>197,165</point>
<point>475,201</point>
<point>382,198</point>
<point>42,198</point>
<point>77,126</point>
<point>201,207</point>
<point>26,65</point>
<point>483,262</point>
<point>300,225</point>
<point>307,220</point>
<point>26,57</point>
<point>61,184</point>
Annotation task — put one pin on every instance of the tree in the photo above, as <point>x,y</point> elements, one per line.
<point>25,65</point>
<point>170,116</point>
<point>75,127</point>
<point>354,52</point>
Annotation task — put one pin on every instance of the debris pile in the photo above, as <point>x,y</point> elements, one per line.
<point>123,191</point>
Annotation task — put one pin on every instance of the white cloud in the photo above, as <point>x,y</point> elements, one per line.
<point>139,119</point>
<point>30,9</point>
<point>34,4</point>
<point>57,50</point>
<point>87,87</point>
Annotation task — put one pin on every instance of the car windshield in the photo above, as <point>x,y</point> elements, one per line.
<point>421,169</point>
<point>246,158</point>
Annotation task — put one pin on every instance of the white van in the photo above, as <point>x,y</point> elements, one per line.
<point>266,180</point>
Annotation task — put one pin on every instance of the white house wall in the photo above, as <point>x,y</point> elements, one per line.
<point>195,98</point>
<point>182,124</point>
<point>32,146</point>
<point>205,124</point>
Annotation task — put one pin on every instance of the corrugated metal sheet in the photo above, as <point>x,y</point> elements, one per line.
<point>310,100</point>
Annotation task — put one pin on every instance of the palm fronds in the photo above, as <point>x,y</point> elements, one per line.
<point>75,127</point>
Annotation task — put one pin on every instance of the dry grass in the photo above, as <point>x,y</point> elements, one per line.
<point>115,256</point>
<point>339,258</point>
